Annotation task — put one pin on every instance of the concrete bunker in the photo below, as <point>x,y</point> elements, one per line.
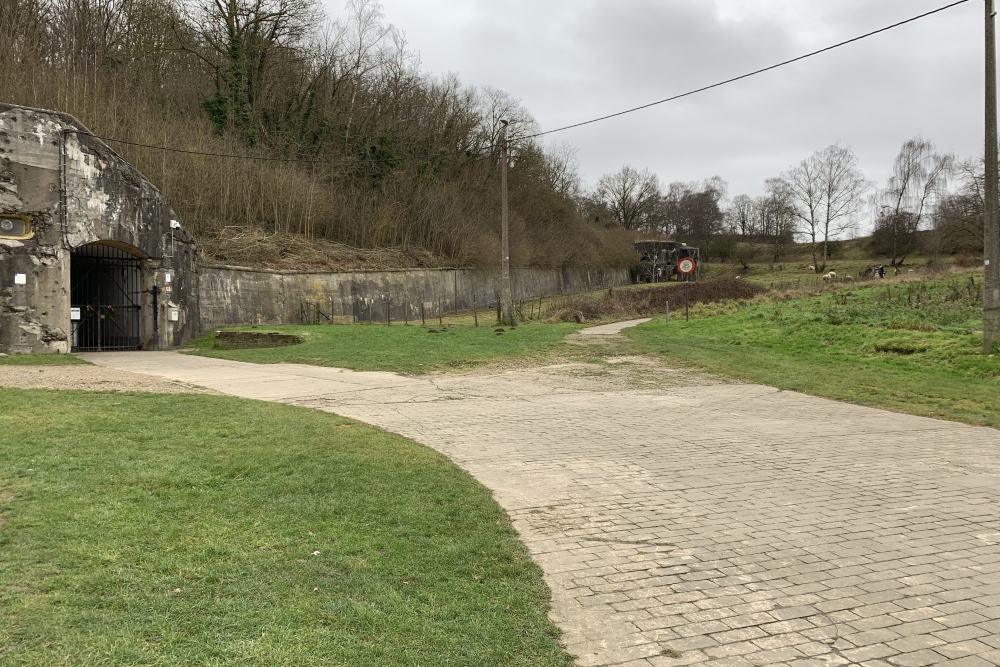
<point>92,258</point>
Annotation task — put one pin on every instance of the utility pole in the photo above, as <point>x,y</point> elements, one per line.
<point>506,307</point>
<point>991,246</point>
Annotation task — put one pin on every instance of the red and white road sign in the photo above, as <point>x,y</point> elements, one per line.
<point>686,266</point>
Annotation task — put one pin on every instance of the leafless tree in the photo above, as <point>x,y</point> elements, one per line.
<point>920,178</point>
<point>562,169</point>
<point>693,212</point>
<point>743,215</point>
<point>777,218</point>
<point>632,197</point>
<point>241,40</point>
<point>958,219</point>
<point>827,191</point>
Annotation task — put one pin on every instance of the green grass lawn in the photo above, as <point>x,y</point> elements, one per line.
<point>404,349</point>
<point>40,360</point>
<point>141,529</point>
<point>910,347</point>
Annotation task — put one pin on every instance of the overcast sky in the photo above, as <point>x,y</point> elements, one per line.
<point>570,60</point>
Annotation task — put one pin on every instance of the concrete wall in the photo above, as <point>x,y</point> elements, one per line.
<point>76,191</point>
<point>234,296</point>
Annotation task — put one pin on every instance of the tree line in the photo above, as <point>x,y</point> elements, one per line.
<point>933,202</point>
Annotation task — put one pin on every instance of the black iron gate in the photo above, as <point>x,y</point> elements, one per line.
<point>106,288</point>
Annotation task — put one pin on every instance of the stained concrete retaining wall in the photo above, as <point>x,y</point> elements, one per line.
<point>236,296</point>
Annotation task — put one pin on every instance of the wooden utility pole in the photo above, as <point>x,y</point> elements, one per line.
<point>506,307</point>
<point>991,246</point>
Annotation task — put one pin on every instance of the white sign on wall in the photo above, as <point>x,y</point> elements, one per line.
<point>20,279</point>
<point>74,314</point>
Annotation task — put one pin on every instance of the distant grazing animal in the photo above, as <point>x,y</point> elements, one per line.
<point>812,268</point>
<point>848,279</point>
<point>910,271</point>
<point>739,277</point>
<point>866,274</point>
<point>830,277</point>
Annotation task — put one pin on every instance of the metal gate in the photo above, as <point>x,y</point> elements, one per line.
<point>106,288</point>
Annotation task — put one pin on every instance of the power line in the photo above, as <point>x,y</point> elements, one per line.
<point>750,74</point>
<point>261,158</point>
<point>558,129</point>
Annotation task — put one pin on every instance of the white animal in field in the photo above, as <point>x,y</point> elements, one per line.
<point>739,277</point>
<point>848,278</point>
<point>830,277</point>
<point>812,268</point>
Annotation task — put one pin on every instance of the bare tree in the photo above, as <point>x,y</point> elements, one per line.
<point>827,191</point>
<point>959,215</point>
<point>777,217</point>
<point>919,180</point>
<point>562,170</point>
<point>631,196</point>
<point>241,40</point>
<point>693,211</point>
<point>743,216</point>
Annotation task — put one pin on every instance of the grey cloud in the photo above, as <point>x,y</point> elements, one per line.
<point>571,60</point>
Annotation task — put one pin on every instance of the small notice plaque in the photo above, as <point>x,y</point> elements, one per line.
<point>74,314</point>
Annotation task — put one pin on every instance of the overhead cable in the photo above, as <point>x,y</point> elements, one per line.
<point>750,74</point>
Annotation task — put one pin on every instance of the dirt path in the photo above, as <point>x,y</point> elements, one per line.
<point>88,378</point>
<point>679,519</point>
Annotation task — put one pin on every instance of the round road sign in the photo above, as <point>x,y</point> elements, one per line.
<point>686,266</point>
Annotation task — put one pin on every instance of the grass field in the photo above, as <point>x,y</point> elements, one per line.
<point>202,530</point>
<point>912,347</point>
<point>404,349</point>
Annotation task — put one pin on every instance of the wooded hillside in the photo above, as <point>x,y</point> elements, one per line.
<point>379,155</point>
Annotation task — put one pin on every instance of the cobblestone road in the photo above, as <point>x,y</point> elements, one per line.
<point>722,523</point>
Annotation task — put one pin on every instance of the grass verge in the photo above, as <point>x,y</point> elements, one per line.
<point>204,530</point>
<point>909,347</point>
<point>399,348</point>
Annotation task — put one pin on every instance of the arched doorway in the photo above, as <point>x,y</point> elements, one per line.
<point>105,297</point>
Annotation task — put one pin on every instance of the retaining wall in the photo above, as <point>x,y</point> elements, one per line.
<point>237,296</point>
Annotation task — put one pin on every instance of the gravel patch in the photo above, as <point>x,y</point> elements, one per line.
<point>89,378</point>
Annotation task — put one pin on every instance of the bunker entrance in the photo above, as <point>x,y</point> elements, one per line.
<point>105,287</point>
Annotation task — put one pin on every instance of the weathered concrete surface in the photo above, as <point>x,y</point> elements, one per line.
<point>719,523</point>
<point>76,191</point>
<point>231,296</point>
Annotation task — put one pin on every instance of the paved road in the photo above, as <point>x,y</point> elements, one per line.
<point>714,522</point>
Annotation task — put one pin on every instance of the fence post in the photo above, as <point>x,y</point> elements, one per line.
<point>667,320</point>
<point>475,312</point>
